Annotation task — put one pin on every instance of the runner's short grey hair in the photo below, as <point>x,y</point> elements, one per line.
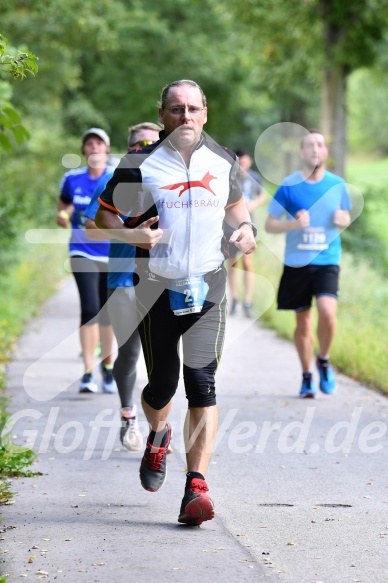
<point>166,90</point>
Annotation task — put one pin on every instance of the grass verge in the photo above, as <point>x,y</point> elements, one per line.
<point>36,271</point>
<point>363,172</point>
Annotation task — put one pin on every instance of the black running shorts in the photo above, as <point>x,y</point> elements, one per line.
<point>298,285</point>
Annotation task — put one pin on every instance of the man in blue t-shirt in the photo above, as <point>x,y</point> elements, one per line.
<point>316,206</point>
<point>121,300</point>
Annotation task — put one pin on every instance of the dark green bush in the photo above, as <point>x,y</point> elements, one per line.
<point>367,237</point>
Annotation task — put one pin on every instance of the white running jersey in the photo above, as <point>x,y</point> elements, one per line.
<point>190,202</point>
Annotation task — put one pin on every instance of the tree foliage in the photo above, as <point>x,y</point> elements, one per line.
<point>260,62</point>
<point>109,59</point>
<point>15,63</point>
<point>311,43</point>
<point>367,108</point>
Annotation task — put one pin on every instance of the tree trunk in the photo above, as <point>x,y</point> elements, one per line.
<point>333,116</point>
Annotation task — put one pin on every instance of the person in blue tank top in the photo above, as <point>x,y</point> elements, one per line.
<point>89,258</point>
<point>315,204</point>
<point>121,300</point>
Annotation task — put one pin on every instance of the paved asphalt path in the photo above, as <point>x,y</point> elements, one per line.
<point>300,486</point>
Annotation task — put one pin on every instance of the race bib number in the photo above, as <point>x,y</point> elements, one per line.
<point>313,239</point>
<point>188,295</point>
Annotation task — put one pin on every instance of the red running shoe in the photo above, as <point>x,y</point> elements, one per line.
<point>196,505</point>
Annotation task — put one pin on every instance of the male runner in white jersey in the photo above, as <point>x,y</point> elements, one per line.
<point>178,192</point>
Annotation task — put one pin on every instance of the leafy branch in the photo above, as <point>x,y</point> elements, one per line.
<point>17,63</point>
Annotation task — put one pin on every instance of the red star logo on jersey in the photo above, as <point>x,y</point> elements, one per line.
<point>204,183</point>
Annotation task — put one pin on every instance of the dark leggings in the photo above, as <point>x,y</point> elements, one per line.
<point>122,312</point>
<point>91,279</point>
<point>202,339</point>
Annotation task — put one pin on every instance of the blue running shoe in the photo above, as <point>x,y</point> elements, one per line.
<point>326,376</point>
<point>108,382</point>
<point>88,383</point>
<point>307,390</point>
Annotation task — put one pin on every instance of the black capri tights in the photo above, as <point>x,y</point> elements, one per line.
<point>202,339</point>
<point>91,279</point>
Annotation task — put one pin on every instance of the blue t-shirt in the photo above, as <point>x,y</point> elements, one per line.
<point>77,188</point>
<point>320,243</point>
<point>121,255</point>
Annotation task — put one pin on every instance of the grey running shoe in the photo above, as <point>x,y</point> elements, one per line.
<point>247,306</point>
<point>130,435</point>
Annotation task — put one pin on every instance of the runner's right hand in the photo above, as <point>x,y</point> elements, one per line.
<point>145,236</point>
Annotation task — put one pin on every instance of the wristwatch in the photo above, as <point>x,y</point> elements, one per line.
<point>252,225</point>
